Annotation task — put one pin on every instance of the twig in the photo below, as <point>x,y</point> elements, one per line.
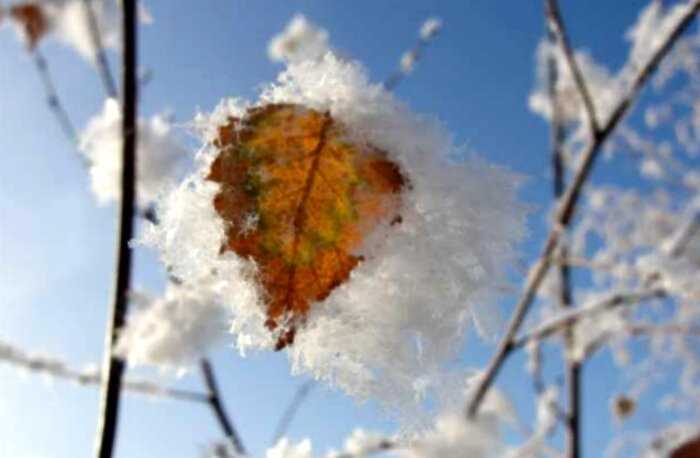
<point>286,419</point>
<point>558,31</point>
<point>560,323</point>
<point>571,418</point>
<point>567,207</point>
<point>380,447</point>
<point>52,99</point>
<point>100,57</point>
<point>214,399</point>
<point>414,55</point>
<point>57,368</point>
<point>113,367</point>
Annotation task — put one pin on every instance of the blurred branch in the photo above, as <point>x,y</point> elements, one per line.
<point>412,56</point>
<point>290,412</point>
<point>571,419</point>
<point>113,367</point>
<point>54,367</point>
<point>101,61</point>
<point>53,101</point>
<point>215,402</point>
<point>567,208</point>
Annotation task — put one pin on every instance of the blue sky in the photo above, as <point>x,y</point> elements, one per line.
<point>56,246</point>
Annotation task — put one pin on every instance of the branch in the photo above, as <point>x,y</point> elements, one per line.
<point>54,367</point>
<point>100,57</point>
<point>113,367</point>
<point>567,207</point>
<point>286,419</point>
<point>558,31</point>
<point>565,320</point>
<point>214,399</point>
<point>413,55</point>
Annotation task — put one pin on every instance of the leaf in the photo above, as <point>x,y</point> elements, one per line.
<point>33,21</point>
<point>690,449</point>
<point>299,197</point>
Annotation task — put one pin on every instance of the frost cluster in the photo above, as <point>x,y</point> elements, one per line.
<point>174,330</point>
<point>300,40</point>
<point>286,449</point>
<point>430,28</point>
<point>391,330</point>
<point>158,154</point>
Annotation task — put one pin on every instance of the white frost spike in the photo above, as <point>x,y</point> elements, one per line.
<point>172,331</point>
<point>300,40</point>
<point>420,285</point>
<point>158,155</point>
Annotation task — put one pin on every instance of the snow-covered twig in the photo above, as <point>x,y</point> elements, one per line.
<point>429,30</point>
<point>567,206</point>
<point>113,367</point>
<point>56,368</point>
<point>379,447</point>
<point>215,401</point>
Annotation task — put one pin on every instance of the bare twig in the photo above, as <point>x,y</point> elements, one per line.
<point>100,57</point>
<point>113,367</point>
<point>288,415</point>
<point>215,402</point>
<point>558,31</point>
<point>567,208</point>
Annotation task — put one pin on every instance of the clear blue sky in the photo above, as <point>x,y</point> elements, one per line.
<point>56,246</point>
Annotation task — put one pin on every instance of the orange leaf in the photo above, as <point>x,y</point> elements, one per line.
<point>33,21</point>
<point>298,198</point>
<point>690,449</point>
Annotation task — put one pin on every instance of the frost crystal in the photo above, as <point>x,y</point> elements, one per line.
<point>430,28</point>
<point>404,311</point>
<point>300,40</point>
<point>158,154</point>
<point>174,330</point>
<point>286,449</point>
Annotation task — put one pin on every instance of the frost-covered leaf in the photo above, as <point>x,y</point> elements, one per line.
<point>298,197</point>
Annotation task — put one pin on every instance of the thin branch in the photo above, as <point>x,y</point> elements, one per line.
<point>52,99</point>
<point>557,29</point>
<point>571,419</point>
<point>567,208</point>
<point>290,412</point>
<point>57,368</point>
<point>100,57</point>
<point>565,320</point>
<point>113,367</point>
<point>214,399</point>
<point>413,55</point>
<point>380,447</point>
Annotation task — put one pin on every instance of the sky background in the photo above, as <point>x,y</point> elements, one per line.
<point>57,246</point>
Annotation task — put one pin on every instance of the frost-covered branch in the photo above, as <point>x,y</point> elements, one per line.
<point>56,368</point>
<point>568,203</point>
<point>113,366</point>
<point>216,403</point>
<point>290,412</point>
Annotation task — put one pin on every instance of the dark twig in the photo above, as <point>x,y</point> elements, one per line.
<point>558,31</point>
<point>286,419</point>
<point>217,406</point>
<point>100,57</point>
<point>573,368</point>
<point>113,367</point>
<point>567,207</point>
